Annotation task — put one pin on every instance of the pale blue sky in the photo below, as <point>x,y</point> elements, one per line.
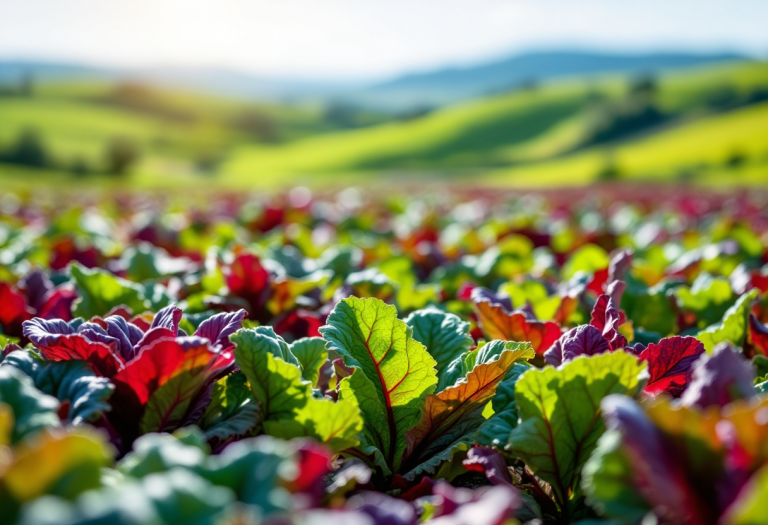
<point>364,38</point>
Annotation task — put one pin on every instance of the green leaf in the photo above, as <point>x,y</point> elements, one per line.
<point>32,410</point>
<point>733,327</point>
<point>177,496</point>
<point>452,416</point>
<point>100,291</point>
<point>285,398</point>
<point>337,425</point>
<point>232,411</point>
<point>709,297</point>
<point>71,382</point>
<point>649,308</point>
<point>497,429</point>
<point>560,418</point>
<point>257,469</point>
<point>606,476</point>
<point>587,259</point>
<point>445,336</point>
<point>276,384</point>
<point>159,452</point>
<point>311,354</point>
<point>395,372</point>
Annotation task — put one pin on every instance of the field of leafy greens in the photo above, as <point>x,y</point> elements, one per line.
<point>592,356</point>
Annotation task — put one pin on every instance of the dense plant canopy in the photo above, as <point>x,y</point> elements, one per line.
<point>467,358</point>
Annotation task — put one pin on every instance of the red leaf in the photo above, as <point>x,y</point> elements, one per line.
<point>497,323</point>
<point>156,365</point>
<point>598,282</point>
<point>246,277</point>
<point>299,323</point>
<point>163,360</point>
<point>13,310</point>
<point>607,318</point>
<point>104,359</point>
<point>670,364</point>
<point>58,303</point>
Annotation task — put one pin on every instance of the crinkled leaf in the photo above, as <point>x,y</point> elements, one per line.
<point>59,341</point>
<point>336,425</point>
<point>276,384</point>
<point>32,410</point>
<point>456,412</point>
<point>733,328</point>
<point>583,340</point>
<point>71,382</point>
<point>560,415</point>
<point>154,391</point>
<point>607,318</point>
<point>311,354</point>
<point>285,398</point>
<point>445,337</point>
<point>219,327</point>
<point>395,372</point>
<point>670,364</point>
<point>497,323</point>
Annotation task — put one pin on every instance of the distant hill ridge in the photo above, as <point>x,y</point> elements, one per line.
<point>434,88</point>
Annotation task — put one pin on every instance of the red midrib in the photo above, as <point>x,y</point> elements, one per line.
<point>390,414</point>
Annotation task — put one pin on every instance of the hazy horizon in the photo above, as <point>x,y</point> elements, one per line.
<point>375,40</point>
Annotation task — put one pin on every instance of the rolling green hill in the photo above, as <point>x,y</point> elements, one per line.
<point>75,122</point>
<point>706,125</point>
<point>525,134</point>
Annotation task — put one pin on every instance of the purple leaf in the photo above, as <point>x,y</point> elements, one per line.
<point>720,378</point>
<point>491,462</point>
<point>36,285</point>
<point>607,318</point>
<point>169,317</point>
<point>45,333</point>
<point>582,340</point>
<point>219,327</point>
<point>657,473</point>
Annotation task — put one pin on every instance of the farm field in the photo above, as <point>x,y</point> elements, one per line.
<point>589,355</point>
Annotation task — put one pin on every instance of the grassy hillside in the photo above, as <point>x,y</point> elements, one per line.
<point>75,123</point>
<point>553,125</point>
<point>708,124</point>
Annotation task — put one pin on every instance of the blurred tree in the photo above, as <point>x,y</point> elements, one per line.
<point>28,150</point>
<point>256,123</point>
<point>121,154</point>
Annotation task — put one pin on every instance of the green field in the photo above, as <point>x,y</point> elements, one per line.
<point>709,125</point>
